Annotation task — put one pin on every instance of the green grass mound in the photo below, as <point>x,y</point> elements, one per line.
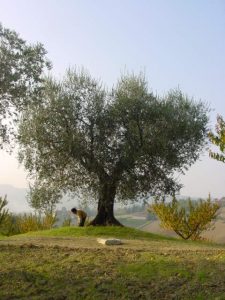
<point>98,231</point>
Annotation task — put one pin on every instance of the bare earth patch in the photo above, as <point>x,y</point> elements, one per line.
<point>81,268</point>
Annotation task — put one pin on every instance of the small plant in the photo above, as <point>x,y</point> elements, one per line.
<point>189,222</point>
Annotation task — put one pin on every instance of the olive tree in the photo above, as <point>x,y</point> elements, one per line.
<point>118,144</point>
<point>21,78</point>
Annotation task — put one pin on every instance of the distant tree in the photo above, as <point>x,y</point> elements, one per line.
<point>118,144</point>
<point>21,78</point>
<point>43,198</point>
<point>218,139</point>
<point>187,223</point>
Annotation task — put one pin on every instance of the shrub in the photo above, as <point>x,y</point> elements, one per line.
<point>189,222</point>
<point>34,222</point>
<point>48,220</point>
<point>10,226</point>
<point>29,222</point>
<point>16,224</point>
<point>4,213</point>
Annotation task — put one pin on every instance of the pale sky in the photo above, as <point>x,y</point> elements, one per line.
<point>176,43</point>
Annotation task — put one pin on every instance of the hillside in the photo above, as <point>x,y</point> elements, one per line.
<point>16,198</point>
<point>69,263</point>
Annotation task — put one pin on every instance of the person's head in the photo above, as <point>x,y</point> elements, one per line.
<point>74,210</point>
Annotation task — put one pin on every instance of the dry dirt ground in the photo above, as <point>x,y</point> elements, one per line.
<point>60,267</point>
<point>159,246</point>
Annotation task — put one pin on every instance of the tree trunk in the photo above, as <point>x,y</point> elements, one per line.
<point>105,214</point>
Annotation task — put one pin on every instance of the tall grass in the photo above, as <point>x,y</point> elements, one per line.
<point>16,224</point>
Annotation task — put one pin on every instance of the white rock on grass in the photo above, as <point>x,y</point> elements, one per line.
<point>110,241</point>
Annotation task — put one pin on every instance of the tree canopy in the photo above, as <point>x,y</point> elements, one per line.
<point>21,77</point>
<point>218,139</point>
<point>43,197</point>
<point>119,143</point>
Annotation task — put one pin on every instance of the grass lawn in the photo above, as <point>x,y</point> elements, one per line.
<point>2,237</point>
<point>68,263</point>
<point>92,231</point>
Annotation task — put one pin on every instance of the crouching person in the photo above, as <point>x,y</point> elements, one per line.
<point>81,215</point>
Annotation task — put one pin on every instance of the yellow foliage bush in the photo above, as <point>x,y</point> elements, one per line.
<point>29,222</point>
<point>187,223</point>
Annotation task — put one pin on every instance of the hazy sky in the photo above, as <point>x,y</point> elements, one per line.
<point>176,43</point>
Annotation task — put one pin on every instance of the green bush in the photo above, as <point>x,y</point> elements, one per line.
<point>188,222</point>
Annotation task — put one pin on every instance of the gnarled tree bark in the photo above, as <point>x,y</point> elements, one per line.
<point>105,214</point>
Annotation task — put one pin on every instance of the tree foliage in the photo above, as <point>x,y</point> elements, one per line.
<point>21,78</point>
<point>218,139</point>
<point>189,222</point>
<point>118,144</point>
<point>43,198</point>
